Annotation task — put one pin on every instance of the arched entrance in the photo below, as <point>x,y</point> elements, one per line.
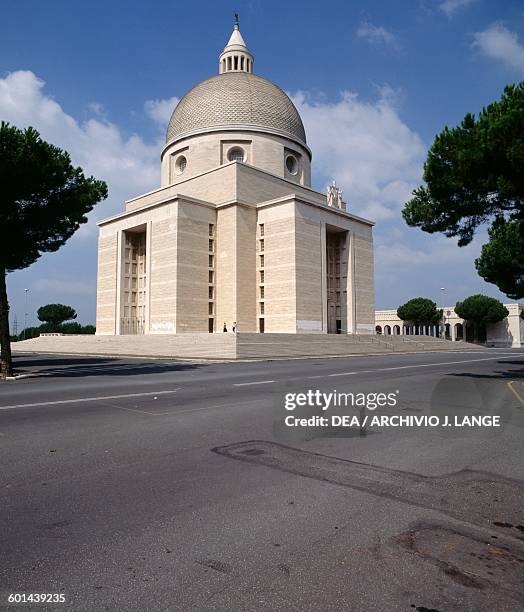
<point>387,330</point>
<point>459,331</point>
<point>378,329</point>
<point>396,330</point>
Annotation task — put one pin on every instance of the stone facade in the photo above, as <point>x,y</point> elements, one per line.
<point>204,152</point>
<point>235,233</point>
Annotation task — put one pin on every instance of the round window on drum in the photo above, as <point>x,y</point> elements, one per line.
<point>180,164</point>
<point>236,154</point>
<point>292,165</point>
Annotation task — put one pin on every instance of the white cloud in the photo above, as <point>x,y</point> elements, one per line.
<point>497,42</point>
<point>128,164</point>
<point>161,110</point>
<point>375,34</point>
<point>378,160</point>
<point>96,108</point>
<point>437,251</point>
<point>409,262</point>
<point>366,147</point>
<point>67,287</point>
<point>450,7</point>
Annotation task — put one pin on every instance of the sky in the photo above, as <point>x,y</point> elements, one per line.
<point>374,82</point>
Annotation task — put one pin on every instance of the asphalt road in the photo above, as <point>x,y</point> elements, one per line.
<point>162,485</point>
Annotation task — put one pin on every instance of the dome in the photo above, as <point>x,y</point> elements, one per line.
<point>239,101</point>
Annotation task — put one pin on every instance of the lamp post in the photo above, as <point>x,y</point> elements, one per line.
<point>25,310</point>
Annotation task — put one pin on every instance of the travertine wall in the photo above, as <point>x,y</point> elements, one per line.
<point>279,267</point>
<point>355,274</point>
<point>226,266</point>
<point>235,268</point>
<point>217,186</point>
<point>237,198</point>
<point>209,151</point>
<point>106,289</point>
<point>192,270</point>
<point>364,279</point>
<point>309,247</point>
<point>232,182</point>
<point>162,279</point>
<point>254,186</point>
<point>510,331</point>
<point>246,223</point>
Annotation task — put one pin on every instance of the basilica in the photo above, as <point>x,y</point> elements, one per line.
<point>235,233</point>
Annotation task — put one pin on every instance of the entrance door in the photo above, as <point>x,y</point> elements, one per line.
<point>333,282</point>
<point>332,318</point>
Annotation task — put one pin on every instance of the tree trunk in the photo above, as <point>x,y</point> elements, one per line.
<point>6,363</point>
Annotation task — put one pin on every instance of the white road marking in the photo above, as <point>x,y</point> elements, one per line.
<point>229,405</point>
<point>425,365</point>
<point>138,411</point>
<point>88,399</point>
<point>189,410</point>
<point>257,382</point>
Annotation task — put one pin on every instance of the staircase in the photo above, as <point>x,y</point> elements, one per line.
<point>309,345</point>
<point>230,347</point>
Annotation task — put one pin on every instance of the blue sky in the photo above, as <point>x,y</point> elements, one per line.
<point>374,82</point>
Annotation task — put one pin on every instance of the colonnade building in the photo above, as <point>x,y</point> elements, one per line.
<point>235,233</point>
<point>506,333</point>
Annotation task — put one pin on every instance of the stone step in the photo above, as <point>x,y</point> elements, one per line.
<point>229,346</point>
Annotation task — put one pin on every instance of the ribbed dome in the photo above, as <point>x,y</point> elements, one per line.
<point>236,100</point>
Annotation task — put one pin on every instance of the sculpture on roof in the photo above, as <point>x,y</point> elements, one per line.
<point>335,196</point>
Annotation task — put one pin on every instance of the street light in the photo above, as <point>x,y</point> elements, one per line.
<point>25,311</point>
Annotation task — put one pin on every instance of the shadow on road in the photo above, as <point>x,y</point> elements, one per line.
<point>507,374</point>
<point>64,367</point>
<point>60,361</point>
